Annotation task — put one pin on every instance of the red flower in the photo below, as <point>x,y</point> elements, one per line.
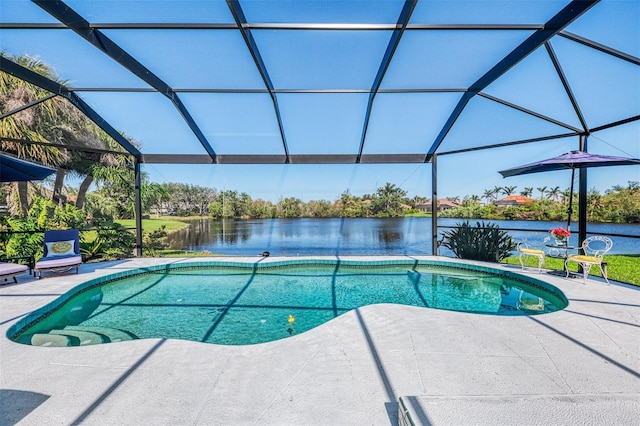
<point>560,232</point>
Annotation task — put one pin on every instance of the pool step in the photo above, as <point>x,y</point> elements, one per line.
<point>77,336</point>
<point>110,334</point>
<point>84,337</point>
<point>51,340</point>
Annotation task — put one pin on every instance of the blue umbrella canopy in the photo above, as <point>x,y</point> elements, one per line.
<point>570,161</point>
<point>16,170</point>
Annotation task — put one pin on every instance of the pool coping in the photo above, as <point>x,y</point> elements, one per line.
<point>352,370</point>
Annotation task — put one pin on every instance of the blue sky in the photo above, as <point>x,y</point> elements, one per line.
<point>606,88</point>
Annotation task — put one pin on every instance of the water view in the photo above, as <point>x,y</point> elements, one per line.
<point>340,236</point>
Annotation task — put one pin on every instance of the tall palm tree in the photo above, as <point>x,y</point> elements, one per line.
<point>509,190</point>
<point>488,195</point>
<point>553,193</point>
<point>388,199</point>
<point>55,120</point>
<point>30,124</point>
<point>89,165</point>
<point>543,190</point>
<point>594,201</point>
<point>527,192</point>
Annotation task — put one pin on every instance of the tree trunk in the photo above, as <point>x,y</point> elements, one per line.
<point>82,191</point>
<point>24,200</point>
<point>57,188</point>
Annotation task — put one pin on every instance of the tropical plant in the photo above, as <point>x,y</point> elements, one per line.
<point>112,242</point>
<point>31,124</point>
<point>527,192</point>
<point>153,242</point>
<point>349,205</point>
<point>509,190</point>
<point>485,242</point>
<point>43,132</point>
<point>554,193</point>
<point>543,190</point>
<point>489,195</point>
<point>388,201</point>
<point>26,235</point>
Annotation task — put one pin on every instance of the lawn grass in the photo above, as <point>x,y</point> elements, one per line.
<point>150,225</point>
<point>186,253</point>
<point>620,267</point>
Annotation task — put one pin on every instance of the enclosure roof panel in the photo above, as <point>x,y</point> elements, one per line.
<point>287,81</point>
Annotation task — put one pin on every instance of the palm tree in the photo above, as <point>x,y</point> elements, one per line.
<point>553,193</point>
<point>388,200</point>
<point>594,201</point>
<point>488,194</point>
<point>30,124</point>
<point>53,121</point>
<point>509,190</point>
<point>528,191</point>
<point>116,181</point>
<point>543,190</point>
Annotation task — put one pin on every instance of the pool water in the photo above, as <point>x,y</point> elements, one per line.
<point>240,306</point>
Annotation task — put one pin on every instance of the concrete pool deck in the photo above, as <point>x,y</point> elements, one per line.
<point>577,366</point>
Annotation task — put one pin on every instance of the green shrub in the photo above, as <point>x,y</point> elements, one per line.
<point>153,242</point>
<point>21,244</point>
<point>112,242</point>
<point>482,242</point>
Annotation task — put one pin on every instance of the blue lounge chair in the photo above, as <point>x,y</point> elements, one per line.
<point>61,251</point>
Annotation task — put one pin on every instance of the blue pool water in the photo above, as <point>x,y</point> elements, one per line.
<point>244,304</point>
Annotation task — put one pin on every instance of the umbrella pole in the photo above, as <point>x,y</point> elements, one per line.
<point>570,209</point>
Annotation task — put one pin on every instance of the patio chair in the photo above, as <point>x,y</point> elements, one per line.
<point>524,250</point>
<point>11,270</point>
<point>594,248</point>
<point>61,252</point>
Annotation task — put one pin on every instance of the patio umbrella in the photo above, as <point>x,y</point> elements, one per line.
<point>16,170</point>
<point>571,160</point>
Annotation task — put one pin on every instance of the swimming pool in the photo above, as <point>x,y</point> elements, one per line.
<point>235,303</point>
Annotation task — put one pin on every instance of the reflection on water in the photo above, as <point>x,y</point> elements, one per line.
<point>292,237</point>
<point>340,236</point>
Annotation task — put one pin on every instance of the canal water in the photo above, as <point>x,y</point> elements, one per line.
<point>359,236</point>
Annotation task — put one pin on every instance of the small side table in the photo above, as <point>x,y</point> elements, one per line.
<point>560,251</point>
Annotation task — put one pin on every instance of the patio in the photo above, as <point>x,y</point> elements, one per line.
<point>579,365</point>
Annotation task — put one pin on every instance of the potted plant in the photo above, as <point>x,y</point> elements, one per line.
<point>561,235</point>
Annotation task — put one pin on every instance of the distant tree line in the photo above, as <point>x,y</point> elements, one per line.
<point>188,200</point>
<point>618,204</point>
